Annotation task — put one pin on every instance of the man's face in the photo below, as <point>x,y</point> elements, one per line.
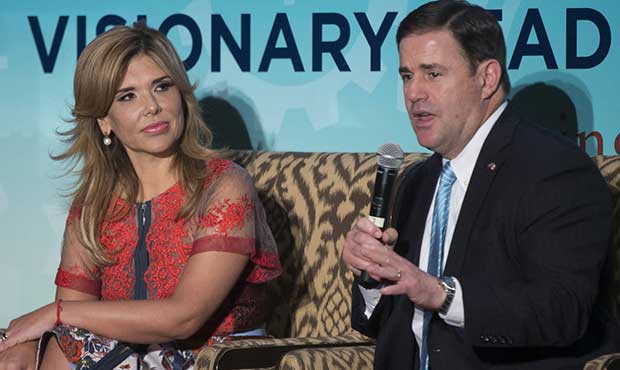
<point>443,97</point>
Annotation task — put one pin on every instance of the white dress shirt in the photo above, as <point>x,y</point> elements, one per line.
<point>463,166</point>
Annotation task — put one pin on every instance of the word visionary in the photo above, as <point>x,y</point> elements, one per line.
<point>282,32</point>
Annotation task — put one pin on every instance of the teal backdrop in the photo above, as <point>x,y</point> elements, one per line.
<point>284,75</point>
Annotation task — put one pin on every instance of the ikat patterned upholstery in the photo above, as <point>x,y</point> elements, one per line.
<point>339,358</point>
<point>254,353</point>
<point>610,168</point>
<point>311,200</point>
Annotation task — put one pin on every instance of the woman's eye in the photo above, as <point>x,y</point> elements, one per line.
<point>164,86</point>
<point>126,97</point>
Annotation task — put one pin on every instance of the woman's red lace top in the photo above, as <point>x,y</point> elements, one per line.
<point>230,218</point>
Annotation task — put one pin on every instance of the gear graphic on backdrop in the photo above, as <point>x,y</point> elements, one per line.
<point>317,97</point>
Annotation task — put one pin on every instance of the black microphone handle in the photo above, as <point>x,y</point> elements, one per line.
<point>367,282</point>
<point>379,208</point>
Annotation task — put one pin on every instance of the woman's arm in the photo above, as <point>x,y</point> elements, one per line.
<point>206,281</point>
<point>23,355</point>
<point>74,274</point>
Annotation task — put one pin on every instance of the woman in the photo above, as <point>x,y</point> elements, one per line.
<point>165,243</point>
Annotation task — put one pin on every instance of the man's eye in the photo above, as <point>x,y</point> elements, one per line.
<point>406,77</point>
<point>434,74</point>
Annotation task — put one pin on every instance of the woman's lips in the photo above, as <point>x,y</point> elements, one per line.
<point>156,128</point>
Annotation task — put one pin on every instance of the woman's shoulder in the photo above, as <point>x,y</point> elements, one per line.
<point>224,172</point>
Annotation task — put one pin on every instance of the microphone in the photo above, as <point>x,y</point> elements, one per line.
<point>389,158</point>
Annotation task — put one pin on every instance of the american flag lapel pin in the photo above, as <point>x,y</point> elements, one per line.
<point>492,166</point>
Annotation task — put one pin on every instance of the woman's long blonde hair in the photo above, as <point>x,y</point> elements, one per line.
<point>105,172</point>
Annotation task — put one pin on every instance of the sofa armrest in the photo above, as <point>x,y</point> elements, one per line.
<point>333,358</point>
<point>606,362</point>
<point>266,353</point>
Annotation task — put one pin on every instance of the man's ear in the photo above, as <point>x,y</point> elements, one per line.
<point>490,73</point>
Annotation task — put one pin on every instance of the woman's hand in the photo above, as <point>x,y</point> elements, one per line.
<point>19,357</point>
<point>30,326</point>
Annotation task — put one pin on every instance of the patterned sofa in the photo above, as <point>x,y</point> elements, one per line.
<point>311,200</point>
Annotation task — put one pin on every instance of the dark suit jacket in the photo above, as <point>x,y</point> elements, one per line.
<point>528,249</point>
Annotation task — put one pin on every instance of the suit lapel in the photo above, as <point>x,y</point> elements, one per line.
<point>422,193</point>
<point>411,218</point>
<point>488,165</point>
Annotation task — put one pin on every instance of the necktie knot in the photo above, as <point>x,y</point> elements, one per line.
<point>448,177</point>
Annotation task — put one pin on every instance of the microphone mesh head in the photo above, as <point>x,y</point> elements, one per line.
<point>390,155</point>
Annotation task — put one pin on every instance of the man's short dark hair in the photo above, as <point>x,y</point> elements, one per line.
<point>475,29</point>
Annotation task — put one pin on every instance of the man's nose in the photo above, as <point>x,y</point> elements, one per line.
<point>415,90</point>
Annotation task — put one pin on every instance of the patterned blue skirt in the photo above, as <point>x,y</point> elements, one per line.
<point>87,351</point>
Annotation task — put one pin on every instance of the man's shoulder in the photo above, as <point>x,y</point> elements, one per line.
<point>420,167</point>
<point>540,147</point>
<point>531,143</point>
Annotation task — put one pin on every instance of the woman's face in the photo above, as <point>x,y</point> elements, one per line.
<point>146,114</point>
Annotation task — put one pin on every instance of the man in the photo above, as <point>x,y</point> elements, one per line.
<point>500,236</point>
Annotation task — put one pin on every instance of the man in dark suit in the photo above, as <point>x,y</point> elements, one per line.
<point>500,236</point>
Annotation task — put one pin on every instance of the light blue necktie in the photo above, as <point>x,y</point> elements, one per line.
<point>438,238</point>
